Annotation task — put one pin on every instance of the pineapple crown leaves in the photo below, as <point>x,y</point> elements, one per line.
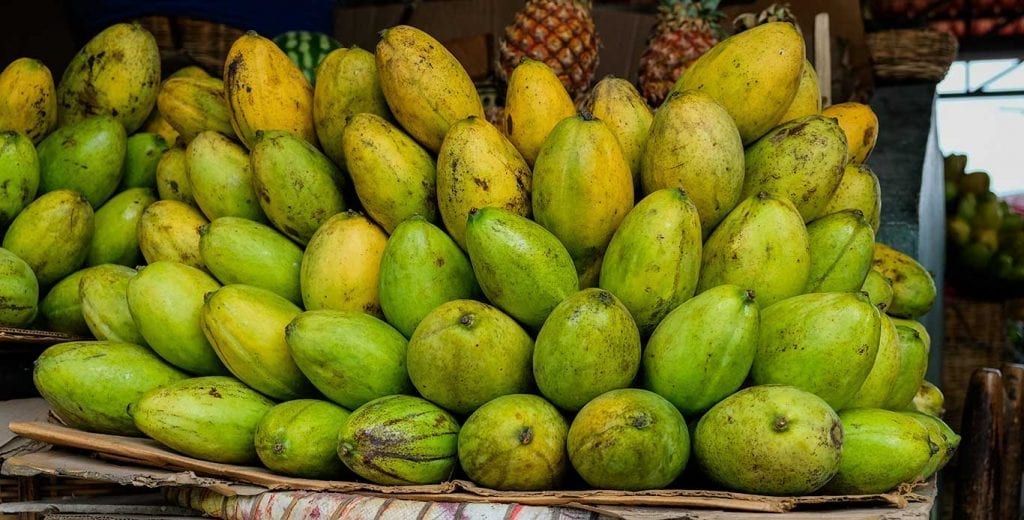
<point>675,11</point>
<point>773,13</point>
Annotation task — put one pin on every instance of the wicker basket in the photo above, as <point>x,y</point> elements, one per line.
<point>912,54</point>
<point>191,41</point>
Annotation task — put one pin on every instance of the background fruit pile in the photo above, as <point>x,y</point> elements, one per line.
<point>616,294</point>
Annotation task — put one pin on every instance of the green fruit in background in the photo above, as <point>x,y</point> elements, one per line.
<point>967,207</point>
<point>515,442</point>
<point>220,178</point>
<point>653,261</point>
<point>520,266</point>
<point>103,290</point>
<point>588,346</point>
<point>169,230</point>
<point>19,175</point>
<point>400,440</point>
<point>422,267</point>
<point>86,157</point>
<point>823,343</point>
<point>240,251</point>
<point>61,308</point>
<point>772,440</point>
<point>300,438</point>
<point>19,291</point>
<point>116,240</point>
<point>928,400</point>
<point>211,418</point>
<point>978,183</point>
<point>702,351</point>
<point>878,289</point>
<point>942,437</point>
<point>858,189</point>
<point>351,357</point>
<point>761,245</point>
<point>355,244</point>
<point>307,49</point>
<point>842,247</point>
<point>877,387</point>
<point>881,449</point>
<point>142,154</point>
<point>52,235</point>
<point>90,384</point>
<point>629,439</point>
<point>246,326</point>
<point>172,181</point>
<point>165,300</point>
<point>914,357</point>
<point>466,353</point>
<point>976,256</point>
<point>913,289</point>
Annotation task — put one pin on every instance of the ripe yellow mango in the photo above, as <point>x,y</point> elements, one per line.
<point>28,103</point>
<point>807,101</point>
<point>859,190</point>
<point>535,103</point>
<point>169,230</point>
<point>617,102</point>
<point>52,234</point>
<point>194,105</point>
<point>860,124</point>
<point>341,266</point>
<point>172,181</point>
<point>913,289</point>
<point>347,84</point>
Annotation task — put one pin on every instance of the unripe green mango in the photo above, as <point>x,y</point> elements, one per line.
<point>220,177</point>
<point>210,418</point>
<point>165,300</point>
<point>116,240</point>
<point>878,289</point>
<point>858,189</point>
<point>421,268</point>
<point>802,160</point>
<point>520,266</point>
<point>913,366</point>
<point>881,449</point>
<point>941,435</point>
<point>928,400</point>
<point>103,291</point>
<point>90,384</point>
<point>169,230</point>
<point>823,343</point>
<point>86,157</point>
<point>875,391</point>
<point>61,308</point>
<point>466,353</point>
<point>19,291</point>
<point>589,345</point>
<point>918,327</point>
<point>19,175</point>
<point>52,235</point>
<point>300,439</point>
<point>842,247</point>
<point>142,154</point>
<point>393,175</point>
<point>702,351</point>
<point>350,356</point>
<point>913,289</point>
<point>238,250</point>
<point>653,261</point>
<point>761,245</point>
<point>354,242</point>
<point>246,326</point>
<point>694,145</point>
<point>298,188</point>
<point>617,102</point>
<point>172,181</point>
<point>582,188</point>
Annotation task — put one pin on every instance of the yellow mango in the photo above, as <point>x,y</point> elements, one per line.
<point>341,265</point>
<point>172,181</point>
<point>617,102</point>
<point>860,124</point>
<point>156,124</point>
<point>535,103</point>
<point>347,84</point>
<point>807,101</point>
<point>169,230</point>
<point>194,105</point>
<point>858,189</point>
<point>28,103</point>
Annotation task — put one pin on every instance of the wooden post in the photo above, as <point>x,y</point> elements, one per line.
<point>1013,382</point>
<point>978,486</point>
<point>823,57</point>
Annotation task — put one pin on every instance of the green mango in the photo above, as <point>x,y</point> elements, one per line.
<point>802,160</point>
<point>520,266</point>
<point>246,326</point>
<point>928,400</point>
<point>823,343</point>
<point>878,289</point>
<point>859,189</point>
<point>422,267</point>
<point>220,177</point>
<point>90,384</point>
<point>842,247</point>
<point>762,245</point>
<point>103,291</point>
<point>211,418</point>
<point>142,154</point>
<point>913,289</point>
<point>589,345</point>
<point>913,366</point>
<point>169,230</point>
<point>629,439</point>
<point>881,450</point>
<point>400,440</point>
<point>19,291</point>
<point>653,261</point>
<point>351,357</point>
<point>238,250</point>
<point>877,387</point>
<point>19,175</point>
<point>300,439</point>
<point>515,442</point>
<point>172,182</point>
<point>918,327</point>
<point>61,308</point>
<point>770,440</point>
<point>298,188</point>
<point>52,235</point>
<point>465,353</point>
<point>165,300</point>
<point>85,156</point>
<point>702,351</point>
<point>942,436</point>
<point>116,240</point>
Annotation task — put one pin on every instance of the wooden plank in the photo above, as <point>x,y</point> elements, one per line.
<point>1013,436</point>
<point>977,490</point>
<point>823,57</point>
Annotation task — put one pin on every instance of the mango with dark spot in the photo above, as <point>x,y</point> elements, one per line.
<point>878,289</point>
<point>90,384</point>
<point>536,101</point>
<point>195,105</point>
<point>859,189</point>
<point>807,101</point>
<point>942,436</point>
<point>116,240</point>
<point>142,154</point>
<point>85,156</point>
<point>19,175</point>
<point>169,230</point>
<point>466,353</point>
<point>771,440</point>
<point>913,289</point>
<point>347,83</point>
<point>220,177</point>
<point>885,372</point>
<point>61,308</point>
<point>172,182</point>
<point>400,440</point>
<point>913,366</point>
<point>842,246</point>
<point>19,291</point>
<point>860,124</point>
<point>300,439</point>
<point>238,250</point>
<point>104,293</point>
<point>928,400</point>
<point>116,73</point>
<point>629,439</point>
<point>617,102</point>
<point>881,449</point>
<point>823,343</point>
<point>28,102</point>
<point>211,418</point>
<point>52,235</point>
<point>353,242</point>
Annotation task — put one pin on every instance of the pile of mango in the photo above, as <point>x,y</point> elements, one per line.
<point>369,280</point>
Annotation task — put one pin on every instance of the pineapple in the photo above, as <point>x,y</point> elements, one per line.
<point>686,29</point>
<point>772,13</point>
<point>559,33</point>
